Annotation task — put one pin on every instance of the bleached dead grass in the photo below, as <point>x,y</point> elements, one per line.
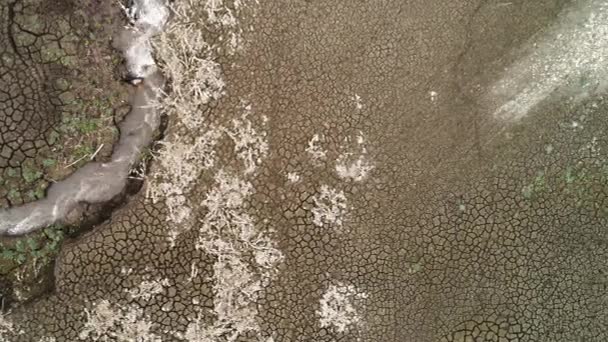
<point>187,60</point>
<point>107,322</point>
<point>148,289</point>
<point>47,339</point>
<point>293,177</point>
<point>337,307</point>
<point>246,256</point>
<point>249,145</point>
<point>356,170</point>
<point>354,166</point>
<point>223,14</point>
<point>7,328</point>
<point>179,164</point>
<point>315,151</point>
<point>358,102</point>
<point>229,233</point>
<point>329,207</point>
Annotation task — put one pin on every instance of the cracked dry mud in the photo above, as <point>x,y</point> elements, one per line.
<point>351,183</point>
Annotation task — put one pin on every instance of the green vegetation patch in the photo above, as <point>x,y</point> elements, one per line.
<point>39,248</point>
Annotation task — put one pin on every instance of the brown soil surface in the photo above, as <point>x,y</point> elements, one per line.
<point>467,229</point>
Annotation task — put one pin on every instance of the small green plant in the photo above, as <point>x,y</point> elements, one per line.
<point>49,162</point>
<point>38,191</point>
<point>14,194</point>
<point>53,137</point>
<point>29,174</point>
<point>40,249</point>
<point>83,150</point>
<point>68,61</point>
<point>538,185</point>
<point>570,176</point>
<point>79,125</point>
<point>12,172</point>
<point>87,126</point>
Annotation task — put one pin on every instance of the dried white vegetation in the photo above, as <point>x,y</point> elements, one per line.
<point>354,166</point>
<point>194,272</point>
<point>7,328</point>
<point>125,271</point>
<point>179,164</point>
<point>223,14</point>
<point>358,102</point>
<point>107,322</point>
<point>218,13</point>
<point>293,177</point>
<point>198,331</point>
<point>189,61</point>
<point>337,307</point>
<point>329,207</point>
<point>228,230</point>
<point>246,260</point>
<point>148,289</point>
<point>356,170</point>
<point>186,59</point>
<point>246,255</point>
<point>47,339</point>
<point>314,149</point>
<point>249,145</point>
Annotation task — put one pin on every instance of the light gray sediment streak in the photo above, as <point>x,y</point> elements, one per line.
<point>575,48</point>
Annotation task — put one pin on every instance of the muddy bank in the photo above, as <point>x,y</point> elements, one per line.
<point>100,182</point>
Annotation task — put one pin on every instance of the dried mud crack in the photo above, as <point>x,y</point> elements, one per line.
<point>354,171</point>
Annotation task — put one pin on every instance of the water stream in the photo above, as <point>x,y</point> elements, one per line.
<point>98,182</point>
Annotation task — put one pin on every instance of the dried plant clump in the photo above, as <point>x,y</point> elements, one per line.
<point>315,151</point>
<point>196,79</point>
<point>179,164</point>
<point>249,145</point>
<point>352,166</point>
<point>337,307</point>
<point>229,233</point>
<point>107,322</point>
<point>246,257</point>
<point>329,207</point>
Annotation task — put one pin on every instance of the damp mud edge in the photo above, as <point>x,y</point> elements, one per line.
<point>98,182</point>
